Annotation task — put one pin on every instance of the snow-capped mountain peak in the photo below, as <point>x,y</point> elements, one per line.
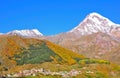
<point>26,33</point>
<point>99,18</point>
<point>94,23</point>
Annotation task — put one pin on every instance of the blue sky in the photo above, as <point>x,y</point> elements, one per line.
<point>53,16</point>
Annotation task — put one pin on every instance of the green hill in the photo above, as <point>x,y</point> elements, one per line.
<point>18,51</point>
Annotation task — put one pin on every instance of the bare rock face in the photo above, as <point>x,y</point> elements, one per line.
<point>115,33</point>
<point>96,37</point>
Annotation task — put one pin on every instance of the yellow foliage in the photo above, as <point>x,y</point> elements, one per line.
<point>66,54</point>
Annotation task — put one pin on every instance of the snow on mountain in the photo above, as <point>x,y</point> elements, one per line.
<point>94,23</point>
<point>26,33</point>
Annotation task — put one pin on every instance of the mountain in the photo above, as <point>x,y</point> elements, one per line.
<point>94,23</point>
<point>95,37</point>
<point>26,33</point>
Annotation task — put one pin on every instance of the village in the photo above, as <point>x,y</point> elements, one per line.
<point>34,72</point>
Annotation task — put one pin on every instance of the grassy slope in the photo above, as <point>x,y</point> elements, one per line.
<point>18,51</point>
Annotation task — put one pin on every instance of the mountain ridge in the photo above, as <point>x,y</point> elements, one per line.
<point>93,27</point>
<point>33,33</point>
<point>93,23</point>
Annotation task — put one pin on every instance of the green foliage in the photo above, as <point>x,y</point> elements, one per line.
<point>91,61</point>
<point>43,76</point>
<point>100,75</point>
<point>49,76</point>
<point>88,76</point>
<point>78,59</point>
<point>35,54</point>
